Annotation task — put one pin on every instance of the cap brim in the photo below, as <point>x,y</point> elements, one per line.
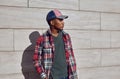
<point>62,17</point>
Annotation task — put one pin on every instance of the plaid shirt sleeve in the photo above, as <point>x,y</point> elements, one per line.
<point>73,66</point>
<point>72,63</point>
<point>37,57</point>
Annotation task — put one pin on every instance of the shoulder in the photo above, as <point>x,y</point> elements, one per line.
<point>39,40</point>
<point>66,34</point>
<point>42,37</point>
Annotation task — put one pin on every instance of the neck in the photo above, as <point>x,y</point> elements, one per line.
<point>54,32</point>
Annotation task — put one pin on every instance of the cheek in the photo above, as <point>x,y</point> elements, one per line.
<point>58,24</point>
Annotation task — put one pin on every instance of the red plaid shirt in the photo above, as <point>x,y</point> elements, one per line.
<point>44,54</point>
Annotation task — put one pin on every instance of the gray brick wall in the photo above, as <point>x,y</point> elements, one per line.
<point>94,26</point>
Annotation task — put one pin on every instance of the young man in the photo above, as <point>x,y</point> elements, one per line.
<point>54,57</point>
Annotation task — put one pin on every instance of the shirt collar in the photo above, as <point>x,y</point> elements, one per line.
<point>50,33</point>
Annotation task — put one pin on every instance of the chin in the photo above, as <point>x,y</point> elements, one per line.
<point>61,29</point>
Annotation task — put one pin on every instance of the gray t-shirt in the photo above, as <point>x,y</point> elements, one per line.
<point>59,68</point>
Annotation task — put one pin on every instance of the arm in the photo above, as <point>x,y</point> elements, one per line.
<point>72,61</point>
<point>37,58</point>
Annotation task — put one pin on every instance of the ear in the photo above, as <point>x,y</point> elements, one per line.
<point>51,22</point>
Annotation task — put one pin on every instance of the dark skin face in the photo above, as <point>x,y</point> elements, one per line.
<point>56,26</point>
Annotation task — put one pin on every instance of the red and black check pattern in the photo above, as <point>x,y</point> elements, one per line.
<point>44,54</point>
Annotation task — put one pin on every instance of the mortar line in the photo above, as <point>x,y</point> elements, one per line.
<point>27,3</point>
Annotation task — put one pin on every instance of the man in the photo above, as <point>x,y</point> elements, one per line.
<point>54,57</point>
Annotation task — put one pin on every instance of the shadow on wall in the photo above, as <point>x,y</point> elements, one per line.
<point>28,69</point>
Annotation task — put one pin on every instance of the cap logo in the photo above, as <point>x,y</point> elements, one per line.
<point>57,13</point>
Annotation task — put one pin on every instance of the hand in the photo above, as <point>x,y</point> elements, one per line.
<point>46,78</point>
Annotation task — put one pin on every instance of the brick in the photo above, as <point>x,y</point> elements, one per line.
<point>110,57</point>
<point>17,62</point>
<point>87,58</point>
<point>12,76</point>
<point>61,4</point>
<point>26,75</point>
<point>28,39</point>
<point>6,40</point>
<point>14,3</point>
<point>90,39</point>
<point>100,73</point>
<point>80,39</point>
<point>100,5</point>
<point>100,39</point>
<point>22,17</point>
<point>10,62</point>
<point>82,20</point>
<point>110,21</point>
<point>115,39</point>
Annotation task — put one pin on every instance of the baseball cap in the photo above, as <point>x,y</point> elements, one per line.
<point>55,14</point>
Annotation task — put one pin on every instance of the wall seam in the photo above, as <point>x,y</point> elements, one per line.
<point>79,5</point>
<point>101,57</point>
<point>13,40</point>
<point>110,39</point>
<point>27,3</point>
<point>100,21</point>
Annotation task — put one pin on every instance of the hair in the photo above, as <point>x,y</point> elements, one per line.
<point>49,23</point>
